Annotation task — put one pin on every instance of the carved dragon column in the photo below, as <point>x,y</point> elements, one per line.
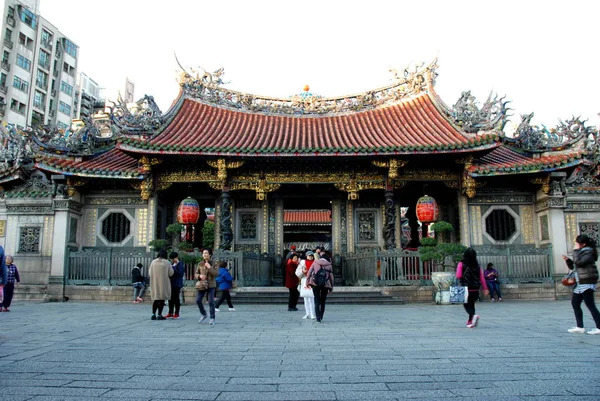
<point>226,230</point>
<point>389,231</point>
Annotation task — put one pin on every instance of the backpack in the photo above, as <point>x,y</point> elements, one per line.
<point>321,277</point>
<point>470,277</point>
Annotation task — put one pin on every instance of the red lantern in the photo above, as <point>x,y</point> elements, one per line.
<point>188,211</point>
<point>427,209</point>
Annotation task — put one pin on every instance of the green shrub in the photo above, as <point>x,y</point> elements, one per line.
<point>208,234</point>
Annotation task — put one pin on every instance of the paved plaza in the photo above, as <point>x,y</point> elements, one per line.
<point>105,351</point>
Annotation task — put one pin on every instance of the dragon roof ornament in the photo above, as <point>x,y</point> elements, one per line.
<point>207,88</point>
<point>492,115</point>
<point>536,139</point>
<point>140,119</point>
<point>15,148</point>
<point>82,138</point>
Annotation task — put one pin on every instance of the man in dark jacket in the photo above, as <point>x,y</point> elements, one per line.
<point>176,285</point>
<point>138,282</point>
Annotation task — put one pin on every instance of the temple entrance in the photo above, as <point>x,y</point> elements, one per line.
<point>307,221</point>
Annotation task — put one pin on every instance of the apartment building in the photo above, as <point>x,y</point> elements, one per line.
<point>89,98</point>
<point>38,72</point>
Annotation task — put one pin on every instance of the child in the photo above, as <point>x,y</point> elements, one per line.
<point>13,280</point>
<point>225,282</point>
<point>491,279</point>
<point>138,282</point>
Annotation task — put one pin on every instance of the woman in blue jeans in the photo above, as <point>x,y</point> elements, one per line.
<point>206,271</point>
<point>491,279</point>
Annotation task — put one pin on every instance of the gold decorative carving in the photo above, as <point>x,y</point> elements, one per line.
<point>398,184</point>
<point>73,182</point>
<point>544,182</point>
<point>469,186</point>
<point>2,228</point>
<point>393,165</point>
<point>145,187</point>
<point>222,165</point>
<point>146,163</point>
<point>187,176</point>
<point>428,175</point>
<point>452,184</point>
<point>162,186</point>
<point>261,187</point>
<point>527,224</point>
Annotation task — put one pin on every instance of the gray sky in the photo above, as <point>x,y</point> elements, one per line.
<point>543,55</point>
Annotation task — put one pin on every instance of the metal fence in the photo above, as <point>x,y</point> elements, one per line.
<point>112,266</point>
<point>515,264</point>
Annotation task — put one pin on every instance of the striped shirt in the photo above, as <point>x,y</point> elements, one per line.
<point>580,288</point>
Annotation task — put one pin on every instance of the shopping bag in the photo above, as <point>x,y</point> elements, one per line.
<point>459,294</point>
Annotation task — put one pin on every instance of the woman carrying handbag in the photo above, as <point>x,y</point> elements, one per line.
<point>584,260</point>
<point>305,291</point>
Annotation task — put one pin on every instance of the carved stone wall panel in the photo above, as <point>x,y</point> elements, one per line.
<point>527,224</point>
<point>343,227</point>
<point>90,222</point>
<point>254,248</point>
<point>48,235</point>
<point>217,242</point>
<point>476,225</point>
<point>151,218</point>
<point>142,227</point>
<point>571,226</point>
<point>271,225</point>
<point>583,206</point>
<point>335,227</point>
<point>591,229</point>
<point>279,227</point>
<point>397,225</point>
<point>265,225</point>
<point>487,199</point>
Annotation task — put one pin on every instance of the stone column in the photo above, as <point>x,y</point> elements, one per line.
<point>556,204</point>
<point>463,215</point>
<point>226,230</point>
<point>389,229</point>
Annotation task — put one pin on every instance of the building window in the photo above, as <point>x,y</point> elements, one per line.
<point>8,35</point>
<point>39,100</point>
<point>70,47</point>
<point>44,60</point>
<point>28,17</point>
<point>248,226</point>
<point>29,240</point>
<point>501,225</point>
<point>73,230</point>
<point>24,40</point>
<point>366,226</point>
<point>68,69</point>
<point>11,12</point>
<point>17,106</point>
<point>41,79</point>
<point>64,108</point>
<point>2,79</point>
<point>21,84</point>
<point>23,62</point>
<point>62,126</point>
<point>116,227</point>
<point>46,38</point>
<point>592,230</point>
<point>66,88</point>
<point>5,57</point>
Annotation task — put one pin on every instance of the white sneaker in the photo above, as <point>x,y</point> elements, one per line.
<point>211,322</point>
<point>594,331</point>
<point>217,310</point>
<point>578,330</point>
<point>312,318</point>
<point>231,309</point>
<point>203,318</point>
<point>305,317</point>
<point>475,320</point>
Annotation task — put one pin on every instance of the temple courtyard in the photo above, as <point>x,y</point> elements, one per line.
<point>102,351</point>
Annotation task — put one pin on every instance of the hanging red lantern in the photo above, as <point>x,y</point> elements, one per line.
<point>188,211</point>
<point>427,209</point>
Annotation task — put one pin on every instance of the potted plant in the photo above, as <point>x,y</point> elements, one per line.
<point>444,256</point>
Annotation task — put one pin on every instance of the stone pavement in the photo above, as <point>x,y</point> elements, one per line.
<point>108,351</point>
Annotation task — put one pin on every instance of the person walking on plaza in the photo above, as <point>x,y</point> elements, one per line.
<point>470,274</point>
<point>491,279</point>
<point>291,282</point>
<point>3,273</point>
<point>138,282</point>
<point>160,285</point>
<point>12,281</point>
<point>320,279</point>
<point>207,272</point>
<point>584,260</point>
<point>225,282</point>
<point>176,285</point>
<point>305,291</point>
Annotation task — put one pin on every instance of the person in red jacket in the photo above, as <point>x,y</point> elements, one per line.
<point>291,281</point>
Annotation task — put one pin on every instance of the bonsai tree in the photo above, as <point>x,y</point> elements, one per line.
<point>158,244</point>
<point>444,254</point>
<point>175,231</point>
<point>208,234</point>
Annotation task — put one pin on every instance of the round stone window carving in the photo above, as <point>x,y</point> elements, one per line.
<point>116,227</point>
<point>501,225</point>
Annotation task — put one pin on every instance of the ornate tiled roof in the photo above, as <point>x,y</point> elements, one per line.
<point>505,161</point>
<point>114,164</point>
<point>306,217</point>
<point>412,126</point>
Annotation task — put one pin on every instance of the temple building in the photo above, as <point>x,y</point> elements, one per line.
<point>342,173</point>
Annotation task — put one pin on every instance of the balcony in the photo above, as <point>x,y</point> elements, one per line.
<point>10,21</point>
<point>55,73</point>
<point>45,66</point>
<point>6,66</point>
<point>40,84</point>
<point>47,45</point>
<point>8,43</point>
<point>3,89</point>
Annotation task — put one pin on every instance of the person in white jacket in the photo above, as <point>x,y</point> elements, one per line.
<point>305,291</point>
